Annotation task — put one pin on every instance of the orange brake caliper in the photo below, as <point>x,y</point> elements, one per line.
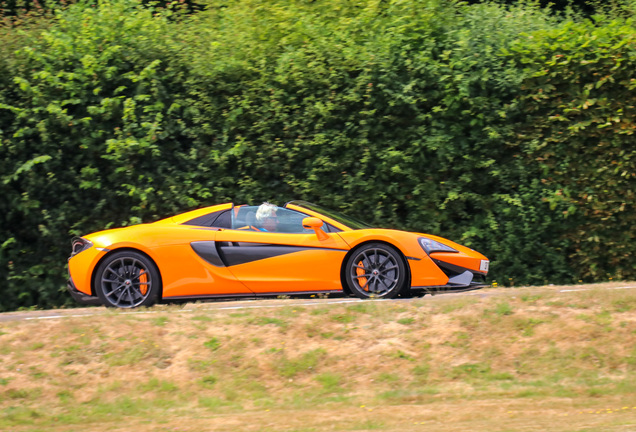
<point>360,271</point>
<point>143,279</point>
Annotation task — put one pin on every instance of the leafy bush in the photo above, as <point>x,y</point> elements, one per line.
<point>89,100</point>
<point>580,106</point>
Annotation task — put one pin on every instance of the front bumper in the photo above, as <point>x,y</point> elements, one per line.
<point>432,290</point>
<point>80,297</point>
<point>459,279</point>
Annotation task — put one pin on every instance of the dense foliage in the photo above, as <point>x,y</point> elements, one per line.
<point>502,127</point>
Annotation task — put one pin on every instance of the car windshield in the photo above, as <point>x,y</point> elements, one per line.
<point>347,221</point>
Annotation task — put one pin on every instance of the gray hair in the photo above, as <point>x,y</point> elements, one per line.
<point>265,210</point>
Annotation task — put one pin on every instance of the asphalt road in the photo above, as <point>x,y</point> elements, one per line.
<point>263,303</point>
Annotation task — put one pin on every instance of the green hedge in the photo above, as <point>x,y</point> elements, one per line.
<point>580,101</point>
<point>482,123</point>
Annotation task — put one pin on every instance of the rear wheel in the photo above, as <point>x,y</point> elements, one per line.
<point>376,270</point>
<point>127,279</point>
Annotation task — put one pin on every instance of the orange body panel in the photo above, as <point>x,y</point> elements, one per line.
<point>186,274</point>
<point>292,273</point>
<point>81,266</point>
<point>316,268</point>
<point>184,217</point>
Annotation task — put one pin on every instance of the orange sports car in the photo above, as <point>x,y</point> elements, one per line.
<point>300,248</point>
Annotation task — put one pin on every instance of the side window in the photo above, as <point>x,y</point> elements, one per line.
<point>224,220</point>
<point>327,227</point>
<point>290,221</point>
<point>244,218</point>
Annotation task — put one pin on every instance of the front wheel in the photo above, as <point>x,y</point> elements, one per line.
<point>127,279</point>
<point>376,270</point>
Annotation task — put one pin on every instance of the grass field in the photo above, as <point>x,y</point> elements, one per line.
<point>525,360</point>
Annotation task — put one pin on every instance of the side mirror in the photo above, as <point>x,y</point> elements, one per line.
<point>315,224</point>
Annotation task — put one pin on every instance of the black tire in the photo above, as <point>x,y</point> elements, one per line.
<point>127,279</point>
<point>376,270</point>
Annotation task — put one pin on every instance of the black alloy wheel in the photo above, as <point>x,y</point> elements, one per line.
<point>376,270</point>
<point>127,279</point>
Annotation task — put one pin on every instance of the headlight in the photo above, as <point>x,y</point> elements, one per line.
<point>79,245</point>
<point>430,246</point>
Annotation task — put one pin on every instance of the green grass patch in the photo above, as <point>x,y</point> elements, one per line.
<point>307,362</point>
<point>20,415</point>
<point>158,385</point>
<point>203,318</point>
<point>531,298</point>
<point>291,311</point>
<point>450,306</point>
<point>160,321</point>
<point>503,309</point>
<point>399,354</point>
<point>363,307</point>
<point>527,326</point>
<point>208,381</point>
<point>264,321</point>
<point>371,424</point>
<point>422,370</point>
<point>344,318</point>
<point>212,344</point>
<point>330,382</point>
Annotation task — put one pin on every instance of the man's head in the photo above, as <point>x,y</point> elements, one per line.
<point>266,216</point>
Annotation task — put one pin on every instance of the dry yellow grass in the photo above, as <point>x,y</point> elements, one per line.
<point>527,360</point>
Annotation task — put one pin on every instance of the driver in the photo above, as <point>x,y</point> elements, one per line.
<point>266,217</point>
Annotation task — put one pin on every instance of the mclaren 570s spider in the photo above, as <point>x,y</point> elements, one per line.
<point>298,249</point>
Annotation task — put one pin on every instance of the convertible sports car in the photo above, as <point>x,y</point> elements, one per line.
<point>300,248</point>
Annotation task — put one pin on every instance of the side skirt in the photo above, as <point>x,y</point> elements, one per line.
<point>250,295</point>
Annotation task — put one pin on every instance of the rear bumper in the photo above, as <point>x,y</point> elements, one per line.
<point>80,297</point>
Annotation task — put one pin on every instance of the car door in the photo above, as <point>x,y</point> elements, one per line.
<point>284,260</point>
<point>189,260</point>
